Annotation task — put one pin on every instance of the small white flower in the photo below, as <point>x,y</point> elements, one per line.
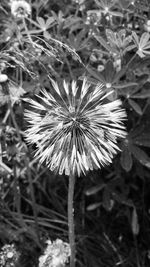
<point>56,254</point>
<point>9,256</point>
<point>100,67</point>
<point>20,8</point>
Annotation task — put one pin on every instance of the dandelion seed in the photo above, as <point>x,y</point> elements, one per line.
<point>75,128</point>
<point>20,8</point>
<point>56,254</point>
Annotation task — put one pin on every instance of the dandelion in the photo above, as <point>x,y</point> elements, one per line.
<point>20,8</point>
<point>56,254</point>
<point>9,256</point>
<point>75,129</point>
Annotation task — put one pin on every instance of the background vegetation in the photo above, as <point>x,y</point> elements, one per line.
<point>108,42</point>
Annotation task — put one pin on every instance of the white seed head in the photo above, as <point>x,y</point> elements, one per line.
<point>20,8</point>
<point>75,128</point>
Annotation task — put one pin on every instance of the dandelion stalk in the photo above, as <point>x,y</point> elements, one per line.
<point>71,219</point>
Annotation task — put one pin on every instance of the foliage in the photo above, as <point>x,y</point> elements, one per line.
<point>107,42</point>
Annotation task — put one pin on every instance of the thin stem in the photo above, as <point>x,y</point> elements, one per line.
<point>17,197</point>
<point>27,31</point>
<point>14,121</point>
<point>34,207</point>
<point>137,253</point>
<point>71,219</point>
<point>130,61</point>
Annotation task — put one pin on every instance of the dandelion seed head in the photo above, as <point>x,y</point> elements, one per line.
<point>75,128</point>
<point>20,8</point>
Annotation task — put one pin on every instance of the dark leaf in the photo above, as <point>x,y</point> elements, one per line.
<point>143,140</point>
<point>41,22</point>
<point>135,106</point>
<point>103,43</point>
<point>93,206</point>
<point>134,223</point>
<point>93,190</point>
<point>109,72</point>
<point>107,200</point>
<point>140,155</point>
<point>142,95</point>
<point>122,86</point>
<point>126,159</point>
<point>96,75</point>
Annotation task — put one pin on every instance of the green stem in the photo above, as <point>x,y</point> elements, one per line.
<point>34,207</point>
<point>130,61</point>
<point>137,253</point>
<point>27,31</point>
<point>17,197</point>
<point>71,219</point>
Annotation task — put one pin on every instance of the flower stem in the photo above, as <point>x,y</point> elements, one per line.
<point>34,207</point>
<point>71,219</point>
<point>27,31</point>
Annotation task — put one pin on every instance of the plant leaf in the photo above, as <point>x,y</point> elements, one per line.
<point>134,223</point>
<point>140,155</point>
<point>93,206</point>
<point>103,43</point>
<point>107,200</point>
<point>122,86</point>
<point>49,21</point>
<point>142,95</point>
<point>96,75</point>
<point>135,106</point>
<point>144,39</point>
<point>143,140</point>
<point>126,159</point>
<point>41,21</point>
<point>93,190</point>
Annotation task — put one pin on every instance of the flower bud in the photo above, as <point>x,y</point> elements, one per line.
<point>147,26</point>
<point>3,78</point>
